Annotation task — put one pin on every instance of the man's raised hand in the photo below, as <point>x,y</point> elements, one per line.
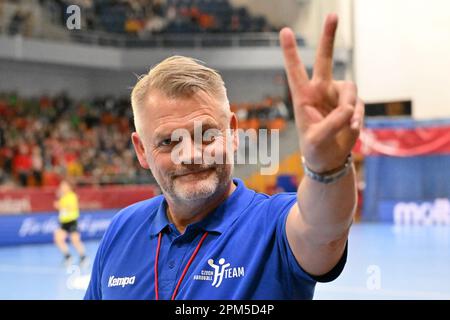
<point>328,113</point>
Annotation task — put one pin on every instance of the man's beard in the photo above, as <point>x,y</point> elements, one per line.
<point>187,188</point>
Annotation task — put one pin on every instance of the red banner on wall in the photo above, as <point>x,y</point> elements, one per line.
<point>25,200</point>
<point>404,142</point>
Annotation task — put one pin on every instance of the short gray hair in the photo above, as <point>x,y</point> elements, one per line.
<point>178,77</point>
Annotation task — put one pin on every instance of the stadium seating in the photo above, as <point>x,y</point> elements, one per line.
<point>185,16</point>
<point>42,139</point>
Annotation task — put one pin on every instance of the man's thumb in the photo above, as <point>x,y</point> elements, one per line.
<point>336,120</point>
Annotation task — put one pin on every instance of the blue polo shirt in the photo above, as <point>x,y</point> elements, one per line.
<point>244,256</point>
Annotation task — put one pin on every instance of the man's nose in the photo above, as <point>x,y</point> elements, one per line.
<point>192,152</point>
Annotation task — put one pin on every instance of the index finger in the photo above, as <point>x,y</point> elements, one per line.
<point>323,66</point>
<point>295,70</point>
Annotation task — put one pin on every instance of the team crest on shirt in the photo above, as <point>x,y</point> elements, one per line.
<point>219,272</point>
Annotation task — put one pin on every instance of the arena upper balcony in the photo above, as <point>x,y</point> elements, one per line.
<point>121,35</point>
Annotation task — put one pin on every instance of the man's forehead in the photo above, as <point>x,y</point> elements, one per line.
<point>159,108</point>
<point>163,114</point>
<point>160,104</point>
<point>203,122</point>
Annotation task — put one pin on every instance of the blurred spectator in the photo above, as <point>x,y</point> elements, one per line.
<point>2,18</point>
<point>16,22</point>
<point>153,24</point>
<point>51,177</point>
<point>157,8</point>
<point>207,22</point>
<point>2,176</point>
<point>37,165</point>
<point>278,104</point>
<point>21,23</point>
<point>235,22</point>
<point>22,164</point>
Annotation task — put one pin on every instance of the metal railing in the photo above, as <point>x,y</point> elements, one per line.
<point>188,40</point>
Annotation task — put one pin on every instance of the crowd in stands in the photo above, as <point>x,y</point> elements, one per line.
<point>270,113</point>
<point>147,17</point>
<point>133,19</point>
<point>43,139</point>
<point>46,138</point>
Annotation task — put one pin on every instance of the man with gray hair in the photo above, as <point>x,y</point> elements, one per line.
<point>208,236</point>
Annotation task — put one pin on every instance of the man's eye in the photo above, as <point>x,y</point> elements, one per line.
<point>211,136</point>
<point>166,142</point>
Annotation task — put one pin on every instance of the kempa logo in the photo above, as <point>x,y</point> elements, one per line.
<point>122,282</point>
<point>220,271</point>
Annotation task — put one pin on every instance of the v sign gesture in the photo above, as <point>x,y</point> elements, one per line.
<point>328,113</point>
<point>328,116</point>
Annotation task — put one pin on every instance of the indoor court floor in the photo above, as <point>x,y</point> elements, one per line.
<point>384,262</point>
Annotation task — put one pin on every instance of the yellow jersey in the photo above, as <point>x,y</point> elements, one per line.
<point>68,208</point>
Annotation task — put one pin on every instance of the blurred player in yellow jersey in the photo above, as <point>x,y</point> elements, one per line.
<point>67,204</point>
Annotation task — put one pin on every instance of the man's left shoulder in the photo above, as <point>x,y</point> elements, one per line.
<point>276,200</point>
<point>273,204</point>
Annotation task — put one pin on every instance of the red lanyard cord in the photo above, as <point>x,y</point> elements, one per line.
<point>156,266</point>
<point>185,268</point>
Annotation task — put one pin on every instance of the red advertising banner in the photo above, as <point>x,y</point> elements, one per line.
<point>404,142</point>
<point>25,200</point>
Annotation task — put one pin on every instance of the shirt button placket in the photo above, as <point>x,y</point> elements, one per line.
<point>174,258</point>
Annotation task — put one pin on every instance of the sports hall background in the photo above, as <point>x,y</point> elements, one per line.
<point>65,110</point>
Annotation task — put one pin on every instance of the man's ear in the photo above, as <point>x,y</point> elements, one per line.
<point>139,149</point>
<point>234,128</point>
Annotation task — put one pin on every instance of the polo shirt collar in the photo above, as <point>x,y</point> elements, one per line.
<point>160,221</point>
<point>217,221</point>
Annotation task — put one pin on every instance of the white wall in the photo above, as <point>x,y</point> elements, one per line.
<point>402,51</point>
<point>304,16</point>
